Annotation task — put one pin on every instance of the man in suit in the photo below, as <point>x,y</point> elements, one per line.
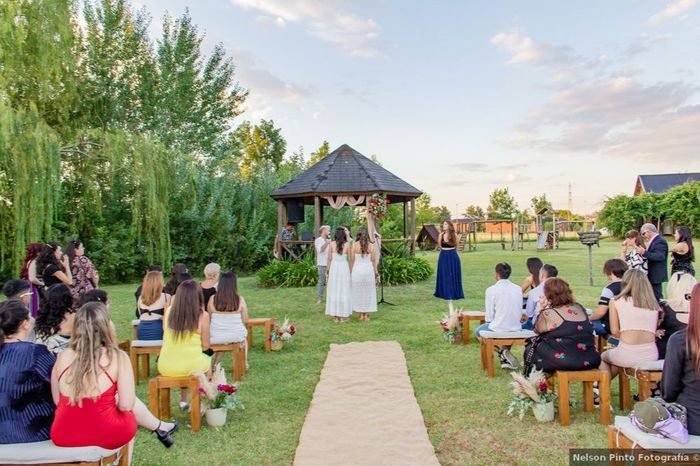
<point>656,254</point>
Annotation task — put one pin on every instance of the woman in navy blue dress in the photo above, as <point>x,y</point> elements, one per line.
<point>448,284</point>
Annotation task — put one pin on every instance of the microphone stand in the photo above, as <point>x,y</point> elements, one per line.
<point>381,282</point>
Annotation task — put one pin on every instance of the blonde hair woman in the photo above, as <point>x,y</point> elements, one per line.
<point>92,384</point>
<point>675,308</point>
<point>363,262</point>
<point>151,306</point>
<point>634,319</point>
<point>212,272</point>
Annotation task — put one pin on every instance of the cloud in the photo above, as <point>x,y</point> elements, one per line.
<point>263,82</point>
<point>643,43</point>
<point>484,167</point>
<point>672,10</point>
<point>326,21</point>
<point>511,178</point>
<point>272,21</point>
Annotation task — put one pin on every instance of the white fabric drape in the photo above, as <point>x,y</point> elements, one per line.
<point>340,201</point>
<point>373,229</point>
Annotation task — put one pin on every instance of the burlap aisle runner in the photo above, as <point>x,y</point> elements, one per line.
<point>364,411</point>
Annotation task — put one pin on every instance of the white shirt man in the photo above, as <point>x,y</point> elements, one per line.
<point>321,246</point>
<point>532,308</point>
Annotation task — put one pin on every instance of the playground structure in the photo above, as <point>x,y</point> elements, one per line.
<point>467,229</point>
<point>549,227</point>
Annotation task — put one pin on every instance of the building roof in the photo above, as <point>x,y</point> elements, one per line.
<point>662,183</point>
<point>346,171</point>
<point>429,230</point>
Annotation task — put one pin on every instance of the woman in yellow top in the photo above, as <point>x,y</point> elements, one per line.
<point>185,336</point>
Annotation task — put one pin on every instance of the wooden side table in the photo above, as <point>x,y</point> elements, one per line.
<point>467,317</point>
<point>266,322</point>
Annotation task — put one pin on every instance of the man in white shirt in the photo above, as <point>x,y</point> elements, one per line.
<point>504,308</point>
<point>321,246</point>
<point>532,308</point>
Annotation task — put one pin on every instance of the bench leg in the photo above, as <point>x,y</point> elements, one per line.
<point>465,330</point>
<point>588,397</point>
<point>490,371</point>
<point>563,383</point>
<point>164,402</point>
<point>238,360</point>
<point>644,388</point>
<point>145,365</point>
<point>196,412</point>
<point>482,352</point>
<point>625,391</point>
<point>604,395</point>
<point>268,335</point>
<point>134,365</point>
<point>250,337</point>
<point>153,403</point>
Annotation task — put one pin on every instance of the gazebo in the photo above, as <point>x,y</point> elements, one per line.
<point>344,177</point>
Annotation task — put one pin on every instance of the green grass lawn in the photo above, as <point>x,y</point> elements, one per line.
<point>465,412</point>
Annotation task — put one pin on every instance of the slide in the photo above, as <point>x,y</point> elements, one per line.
<point>542,240</point>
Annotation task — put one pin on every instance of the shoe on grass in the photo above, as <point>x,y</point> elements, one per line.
<point>510,360</point>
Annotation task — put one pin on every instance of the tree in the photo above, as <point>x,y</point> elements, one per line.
<point>441,214</point>
<point>501,204</point>
<point>475,212</point>
<point>263,146</point>
<point>540,202</point>
<point>320,153</point>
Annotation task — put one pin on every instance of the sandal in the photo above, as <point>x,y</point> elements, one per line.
<point>165,436</point>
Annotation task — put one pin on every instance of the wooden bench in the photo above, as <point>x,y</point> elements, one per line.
<point>237,351</point>
<point>47,454</point>
<point>159,397</point>
<point>646,373</point>
<point>624,435</point>
<point>564,378</point>
<point>467,317</point>
<point>266,322</point>
<point>489,340</point>
<point>143,349</point>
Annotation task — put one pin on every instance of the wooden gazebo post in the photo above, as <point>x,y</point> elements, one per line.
<point>281,222</point>
<point>413,226</point>
<point>405,219</point>
<point>318,215</point>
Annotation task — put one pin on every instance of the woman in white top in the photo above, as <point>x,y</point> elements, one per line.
<point>229,314</point>
<point>338,297</point>
<point>363,262</point>
<point>629,253</point>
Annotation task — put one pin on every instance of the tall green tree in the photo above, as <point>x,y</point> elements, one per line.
<point>263,146</point>
<point>540,202</point>
<point>476,212</point>
<point>320,153</point>
<point>501,204</point>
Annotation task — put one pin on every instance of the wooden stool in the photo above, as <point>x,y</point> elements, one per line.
<point>467,317</point>
<point>237,357</point>
<point>159,397</point>
<point>623,435</point>
<point>135,329</point>
<point>587,377</point>
<point>601,341</point>
<point>645,377</point>
<point>489,342</point>
<point>266,322</point>
<point>137,352</point>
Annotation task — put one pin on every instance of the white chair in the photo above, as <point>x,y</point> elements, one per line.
<point>45,453</point>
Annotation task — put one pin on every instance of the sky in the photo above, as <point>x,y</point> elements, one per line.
<point>459,98</point>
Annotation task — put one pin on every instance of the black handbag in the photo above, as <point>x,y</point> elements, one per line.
<point>531,345</point>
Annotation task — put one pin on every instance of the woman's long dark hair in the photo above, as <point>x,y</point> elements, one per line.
<point>340,239</point>
<point>32,252</point>
<point>450,235</point>
<point>57,304</point>
<point>692,334</point>
<point>175,278</point>
<point>70,249</point>
<point>534,264</point>
<point>188,305</point>
<point>636,236</point>
<point>363,239</point>
<point>46,257</point>
<point>12,314</point>
<point>227,298</point>
<point>685,236</point>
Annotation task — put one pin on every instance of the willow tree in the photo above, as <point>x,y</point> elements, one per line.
<point>29,183</point>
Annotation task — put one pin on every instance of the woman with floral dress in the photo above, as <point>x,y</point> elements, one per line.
<point>85,277</point>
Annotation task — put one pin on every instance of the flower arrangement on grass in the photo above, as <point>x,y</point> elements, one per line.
<point>529,391</point>
<point>378,206</point>
<point>284,332</point>
<point>217,393</point>
<point>452,326</point>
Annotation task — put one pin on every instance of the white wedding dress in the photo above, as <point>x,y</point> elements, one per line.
<point>364,291</point>
<point>338,293</point>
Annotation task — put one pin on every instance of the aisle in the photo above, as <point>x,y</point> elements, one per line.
<point>364,411</point>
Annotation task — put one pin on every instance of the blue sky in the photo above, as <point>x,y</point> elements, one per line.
<point>459,98</point>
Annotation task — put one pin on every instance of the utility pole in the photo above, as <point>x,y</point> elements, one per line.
<point>571,200</point>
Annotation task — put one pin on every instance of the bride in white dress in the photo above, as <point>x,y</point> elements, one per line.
<point>338,298</point>
<point>363,262</point>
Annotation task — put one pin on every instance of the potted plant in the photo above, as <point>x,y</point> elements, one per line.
<point>219,397</point>
<point>532,392</point>
<point>281,334</point>
<point>451,325</point>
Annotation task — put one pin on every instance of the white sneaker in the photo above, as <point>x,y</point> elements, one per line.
<point>509,361</point>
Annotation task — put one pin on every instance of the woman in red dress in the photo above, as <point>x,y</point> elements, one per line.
<point>92,385</point>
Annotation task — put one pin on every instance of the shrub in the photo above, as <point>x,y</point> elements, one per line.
<point>289,274</point>
<point>399,270</point>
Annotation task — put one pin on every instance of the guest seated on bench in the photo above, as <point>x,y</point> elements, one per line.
<point>634,318</point>
<point>151,306</point>
<point>600,318</point>
<point>532,281</point>
<point>565,339</point>
<point>675,308</point>
<point>504,308</point>
<point>681,377</point>
<point>532,307</point>
<point>229,314</point>
<point>92,384</point>
<point>26,407</point>
<point>185,336</point>
<point>54,324</point>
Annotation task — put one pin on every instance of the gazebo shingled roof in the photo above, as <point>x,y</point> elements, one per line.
<point>346,171</point>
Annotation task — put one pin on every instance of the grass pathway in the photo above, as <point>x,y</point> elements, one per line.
<point>463,410</point>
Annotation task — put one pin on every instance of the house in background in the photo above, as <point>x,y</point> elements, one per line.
<point>659,184</point>
<point>428,237</point>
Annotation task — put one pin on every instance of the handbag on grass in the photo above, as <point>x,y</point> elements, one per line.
<point>658,417</point>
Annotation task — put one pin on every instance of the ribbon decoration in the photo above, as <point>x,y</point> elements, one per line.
<point>340,201</point>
